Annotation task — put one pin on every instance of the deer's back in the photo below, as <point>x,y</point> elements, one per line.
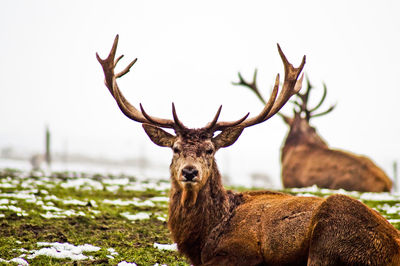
<point>267,227</point>
<point>279,229</point>
<point>306,165</point>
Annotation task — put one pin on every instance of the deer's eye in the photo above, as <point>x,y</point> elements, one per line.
<point>209,151</point>
<point>176,150</point>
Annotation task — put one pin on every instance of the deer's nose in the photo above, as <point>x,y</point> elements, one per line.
<point>189,173</point>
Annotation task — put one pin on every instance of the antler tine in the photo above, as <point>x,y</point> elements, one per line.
<point>252,86</point>
<point>322,99</point>
<point>110,81</point>
<point>309,112</point>
<point>291,85</point>
<point>325,112</point>
<point>178,123</point>
<point>214,121</point>
<point>222,125</point>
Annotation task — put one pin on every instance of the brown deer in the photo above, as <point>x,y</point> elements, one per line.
<point>307,160</point>
<point>213,226</point>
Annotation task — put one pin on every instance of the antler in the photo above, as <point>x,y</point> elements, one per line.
<point>291,86</point>
<point>309,112</point>
<point>141,116</point>
<point>129,110</point>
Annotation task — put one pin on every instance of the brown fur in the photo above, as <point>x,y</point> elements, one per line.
<point>212,226</point>
<point>307,160</point>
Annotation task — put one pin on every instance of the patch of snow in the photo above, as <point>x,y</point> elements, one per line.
<point>124,263</point>
<point>305,195</point>
<point>390,209</point>
<point>63,250</point>
<point>51,208</point>
<point>313,188</point>
<point>17,210</point>
<point>113,188</point>
<point>143,186</point>
<point>52,197</point>
<point>7,185</point>
<point>21,195</point>
<point>383,196</point>
<point>75,202</point>
<point>45,192</point>
<point>162,219</point>
<point>93,203</point>
<point>136,202</point>
<point>83,182</point>
<point>116,181</point>
<point>19,261</point>
<point>159,199</point>
<point>4,201</point>
<point>62,214</point>
<point>137,216</point>
<point>172,247</point>
<point>112,251</point>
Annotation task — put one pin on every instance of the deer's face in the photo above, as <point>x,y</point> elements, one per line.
<point>193,156</point>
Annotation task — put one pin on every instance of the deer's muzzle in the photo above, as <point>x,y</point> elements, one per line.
<point>190,174</point>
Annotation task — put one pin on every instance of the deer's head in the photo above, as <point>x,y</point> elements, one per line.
<point>299,124</point>
<point>194,149</point>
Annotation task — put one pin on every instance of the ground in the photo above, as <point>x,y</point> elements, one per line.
<point>82,219</point>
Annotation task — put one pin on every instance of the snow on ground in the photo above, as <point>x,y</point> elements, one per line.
<point>63,251</point>
<point>59,251</point>
<point>137,216</point>
<point>124,263</point>
<point>172,247</point>
<point>19,261</point>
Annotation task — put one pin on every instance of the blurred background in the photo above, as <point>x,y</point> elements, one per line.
<point>189,53</point>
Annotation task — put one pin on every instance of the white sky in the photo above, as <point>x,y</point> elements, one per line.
<point>189,52</point>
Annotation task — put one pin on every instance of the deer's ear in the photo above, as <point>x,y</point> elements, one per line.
<point>227,137</point>
<point>159,136</point>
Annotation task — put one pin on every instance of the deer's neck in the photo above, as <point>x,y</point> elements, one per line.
<point>191,224</point>
<point>297,138</point>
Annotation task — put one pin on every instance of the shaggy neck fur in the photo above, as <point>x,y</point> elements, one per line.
<point>190,224</point>
<point>297,136</point>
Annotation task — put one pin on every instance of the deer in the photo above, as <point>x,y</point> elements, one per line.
<point>307,159</point>
<point>215,226</point>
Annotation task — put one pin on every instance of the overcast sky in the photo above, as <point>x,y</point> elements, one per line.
<point>189,53</point>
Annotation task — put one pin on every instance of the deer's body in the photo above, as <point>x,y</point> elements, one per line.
<point>306,164</point>
<point>213,226</point>
<point>307,160</point>
<point>270,228</point>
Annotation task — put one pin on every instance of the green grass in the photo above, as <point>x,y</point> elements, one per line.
<point>95,220</point>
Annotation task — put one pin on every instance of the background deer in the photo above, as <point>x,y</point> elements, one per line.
<point>307,159</point>
<point>213,226</point>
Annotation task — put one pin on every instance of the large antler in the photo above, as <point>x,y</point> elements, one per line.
<point>129,110</point>
<point>141,116</point>
<point>291,86</point>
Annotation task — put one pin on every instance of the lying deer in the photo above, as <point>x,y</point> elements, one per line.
<point>307,160</point>
<point>213,226</point>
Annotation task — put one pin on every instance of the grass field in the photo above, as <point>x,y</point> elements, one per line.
<point>86,219</point>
